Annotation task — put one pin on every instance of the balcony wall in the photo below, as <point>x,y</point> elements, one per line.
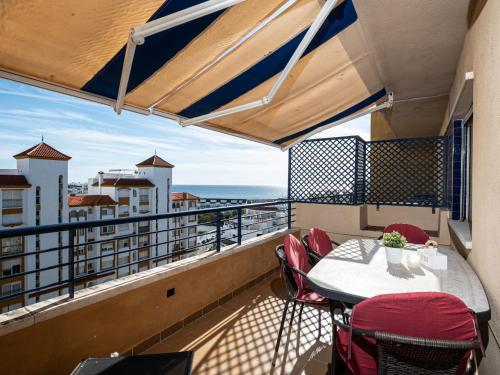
<point>344,222</point>
<point>130,314</point>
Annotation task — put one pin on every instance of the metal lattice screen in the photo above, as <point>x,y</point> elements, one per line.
<point>325,171</point>
<point>348,170</point>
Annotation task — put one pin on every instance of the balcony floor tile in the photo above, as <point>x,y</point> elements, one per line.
<point>239,336</point>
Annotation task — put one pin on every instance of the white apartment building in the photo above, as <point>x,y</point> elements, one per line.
<point>185,228</point>
<point>120,195</point>
<point>32,194</point>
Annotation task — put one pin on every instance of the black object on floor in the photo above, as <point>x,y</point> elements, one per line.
<point>179,363</point>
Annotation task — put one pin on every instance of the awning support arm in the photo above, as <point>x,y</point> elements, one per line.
<point>227,51</point>
<point>139,33</point>
<point>387,104</point>
<point>265,100</point>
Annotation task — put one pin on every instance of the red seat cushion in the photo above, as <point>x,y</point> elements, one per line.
<point>308,296</point>
<point>319,242</point>
<point>428,315</point>
<point>412,233</point>
<point>297,257</point>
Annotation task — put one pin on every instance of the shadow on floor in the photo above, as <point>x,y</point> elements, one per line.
<point>239,336</point>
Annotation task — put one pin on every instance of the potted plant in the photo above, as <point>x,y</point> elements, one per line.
<point>394,243</point>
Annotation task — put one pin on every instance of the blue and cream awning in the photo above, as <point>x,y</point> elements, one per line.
<point>205,65</point>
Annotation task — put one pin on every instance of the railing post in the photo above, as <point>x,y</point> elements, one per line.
<point>71,261</point>
<point>289,204</point>
<point>239,226</point>
<point>218,238</point>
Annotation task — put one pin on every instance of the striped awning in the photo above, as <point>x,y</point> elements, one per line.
<point>224,59</point>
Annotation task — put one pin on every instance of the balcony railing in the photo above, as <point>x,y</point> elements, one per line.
<point>163,251</point>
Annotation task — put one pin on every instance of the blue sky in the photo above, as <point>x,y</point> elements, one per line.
<point>98,139</point>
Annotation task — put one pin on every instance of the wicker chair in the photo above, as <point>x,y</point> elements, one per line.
<point>398,354</point>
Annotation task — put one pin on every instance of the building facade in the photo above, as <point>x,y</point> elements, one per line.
<point>36,193</point>
<point>33,194</point>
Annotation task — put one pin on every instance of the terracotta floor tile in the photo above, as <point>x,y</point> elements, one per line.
<point>239,336</point>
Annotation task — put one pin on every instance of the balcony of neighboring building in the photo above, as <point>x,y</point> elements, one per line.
<point>12,207</point>
<point>124,197</point>
<point>123,210</point>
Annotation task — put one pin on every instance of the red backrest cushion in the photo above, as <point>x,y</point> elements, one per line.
<point>412,233</point>
<point>429,315</point>
<point>297,257</point>
<point>319,242</point>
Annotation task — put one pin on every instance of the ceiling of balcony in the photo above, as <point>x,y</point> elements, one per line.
<point>417,45</point>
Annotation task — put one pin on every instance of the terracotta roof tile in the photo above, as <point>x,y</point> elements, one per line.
<point>177,196</point>
<point>90,200</point>
<point>125,182</point>
<point>155,161</point>
<point>13,181</point>
<point>42,151</point>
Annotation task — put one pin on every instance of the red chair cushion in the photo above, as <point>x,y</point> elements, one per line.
<point>412,233</point>
<point>428,315</point>
<point>319,242</point>
<point>308,296</point>
<point>297,257</point>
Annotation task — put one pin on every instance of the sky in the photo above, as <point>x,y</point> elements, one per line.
<point>98,139</point>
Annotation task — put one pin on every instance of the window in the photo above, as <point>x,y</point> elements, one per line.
<point>192,218</point>
<point>123,193</point>
<point>134,193</point>
<point>12,198</point>
<point>123,243</point>
<point>107,263</point>
<point>143,195</point>
<point>123,227</point>
<point>135,208</point>
<point>90,210</point>
<point>105,211</point>
<point>143,242</point>
<point>11,288</point>
<point>108,229</point>
<point>466,188</point>
<point>12,245</point>
<point>11,267</point>
<point>107,247</point>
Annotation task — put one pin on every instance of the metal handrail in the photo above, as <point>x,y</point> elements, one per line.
<point>73,258</point>
<point>42,229</point>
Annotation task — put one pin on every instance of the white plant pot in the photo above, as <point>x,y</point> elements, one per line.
<point>394,255</point>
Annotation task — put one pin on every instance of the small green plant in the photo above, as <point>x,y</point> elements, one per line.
<point>394,239</point>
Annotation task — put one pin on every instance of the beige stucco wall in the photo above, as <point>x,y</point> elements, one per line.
<point>346,222</point>
<point>481,55</point>
<point>55,340</point>
<point>380,127</point>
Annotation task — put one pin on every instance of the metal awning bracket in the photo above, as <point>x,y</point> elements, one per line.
<point>139,33</point>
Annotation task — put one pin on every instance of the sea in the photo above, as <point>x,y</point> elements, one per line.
<point>233,191</point>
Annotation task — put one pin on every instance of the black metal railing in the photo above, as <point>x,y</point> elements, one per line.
<point>167,241</point>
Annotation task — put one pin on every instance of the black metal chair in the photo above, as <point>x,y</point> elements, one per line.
<point>398,354</point>
<point>308,298</point>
